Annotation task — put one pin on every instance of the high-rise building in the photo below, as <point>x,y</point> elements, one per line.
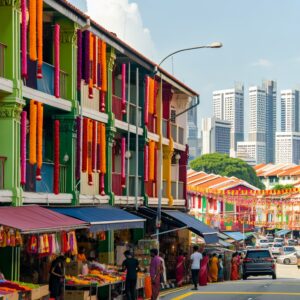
<point>229,105</point>
<point>253,152</point>
<point>81,4</point>
<point>193,138</point>
<point>288,147</point>
<point>215,136</point>
<point>290,120</point>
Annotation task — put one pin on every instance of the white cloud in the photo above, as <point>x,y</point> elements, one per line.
<point>124,19</point>
<point>262,62</point>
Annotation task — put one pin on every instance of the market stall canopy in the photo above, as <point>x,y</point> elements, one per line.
<point>235,235</point>
<point>36,219</point>
<point>282,232</point>
<point>103,218</point>
<point>224,243</point>
<point>209,234</point>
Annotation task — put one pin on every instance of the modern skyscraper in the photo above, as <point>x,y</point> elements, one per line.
<point>288,147</point>
<point>215,136</point>
<point>81,4</point>
<point>290,121</point>
<point>193,138</point>
<point>229,105</point>
<point>253,152</point>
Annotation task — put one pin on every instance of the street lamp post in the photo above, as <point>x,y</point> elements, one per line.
<point>160,157</point>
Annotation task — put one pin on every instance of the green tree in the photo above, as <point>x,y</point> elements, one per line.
<point>283,187</point>
<point>224,165</point>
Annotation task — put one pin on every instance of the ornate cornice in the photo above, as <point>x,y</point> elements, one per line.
<point>10,110</point>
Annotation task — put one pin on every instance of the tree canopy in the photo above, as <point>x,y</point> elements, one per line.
<point>283,186</point>
<point>224,165</point>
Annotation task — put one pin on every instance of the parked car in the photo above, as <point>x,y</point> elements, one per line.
<point>277,249</point>
<point>263,243</point>
<point>259,262</point>
<point>288,259</point>
<point>292,242</point>
<point>279,240</point>
<point>288,250</point>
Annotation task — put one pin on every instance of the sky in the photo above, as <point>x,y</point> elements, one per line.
<point>260,40</point>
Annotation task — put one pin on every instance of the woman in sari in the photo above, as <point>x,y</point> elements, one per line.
<point>209,266</point>
<point>234,267</point>
<point>221,268</point>
<point>213,269</point>
<point>203,274</point>
<point>180,269</point>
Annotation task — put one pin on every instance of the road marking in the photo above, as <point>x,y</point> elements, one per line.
<point>235,293</point>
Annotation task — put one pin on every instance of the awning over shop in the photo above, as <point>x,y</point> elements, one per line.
<point>249,234</point>
<point>103,218</point>
<point>235,235</point>
<point>282,232</point>
<point>36,219</point>
<point>209,234</point>
<point>223,243</point>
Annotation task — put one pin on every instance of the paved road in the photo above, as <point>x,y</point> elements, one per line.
<point>286,287</point>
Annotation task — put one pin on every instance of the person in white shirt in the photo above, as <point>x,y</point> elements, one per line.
<point>195,267</point>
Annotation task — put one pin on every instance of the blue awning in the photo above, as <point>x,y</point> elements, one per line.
<point>209,234</point>
<point>235,235</point>
<point>282,232</point>
<point>223,243</point>
<point>103,218</point>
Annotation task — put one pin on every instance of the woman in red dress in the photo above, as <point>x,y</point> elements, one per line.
<point>203,274</point>
<point>234,267</point>
<point>180,269</point>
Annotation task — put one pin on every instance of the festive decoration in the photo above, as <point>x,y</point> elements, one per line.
<point>23,146</point>
<point>32,30</point>
<point>91,63</point>
<point>79,59</point>
<point>24,39</point>
<point>123,88</point>
<point>40,118</point>
<point>56,60</point>
<point>84,145</point>
<point>99,69</point>
<point>56,157</point>
<point>32,132</point>
<point>89,152</point>
<point>95,43</point>
<point>94,147</point>
<point>146,163</point>
<point>39,38</point>
<point>151,161</point>
<point>104,67</point>
<point>151,95</point>
<point>146,108</point>
<point>78,147</point>
<point>123,150</point>
<point>86,56</point>
<point>103,149</point>
<point>98,147</point>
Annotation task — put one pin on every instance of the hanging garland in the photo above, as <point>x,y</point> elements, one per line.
<point>84,145</point>
<point>91,63</point>
<point>32,30</point>
<point>56,60</point>
<point>103,149</point>
<point>24,39</point>
<point>123,170</point>
<point>94,147</point>
<point>32,132</point>
<point>151,95</point>
<point>123,88</point>
<point>86,56</point>
<point>39,38</point>
<point>151,161</point>
<point>23,146</point>
<point>99,69</point>
<point>95,43</point>
<point>40,118</point>
<point>103,77</point>
<point>56,158</point>
<point>78,147</point>
<point>146,163</point>
<point>98,147</point>
<point>89,158</point>
<point>79,59</point>
<point>155,163</point>
<point>146,108</point>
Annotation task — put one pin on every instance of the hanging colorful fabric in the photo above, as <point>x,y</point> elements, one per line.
<point>103,77</point>
<point>155,163</point>
<point>78,147</point>
<point>98,147</point>
<point>56,157</point>
<point>90,142</point>
<point>32,245</point>
<point>102,190</point>
<point>95,42</point>
<point>151,95</point>
<point>91,91</point>
<point>151,160</point>
<point>146,107</point>
<point>94,147</point>
<point>23,146</point>
<point>103,149</point>
<point>79,59</point>
<point>56,60</point>
<point>99,70</point>
<point>123,170</point>
<point>123,88</point>
<point>85,145</point>
<point>32,132</point>
<point>32,30</point>
<point>146,163</point>
<point>40,116</point>
<point>39,38</point>
<point>24,39</point>
<point>87,56</point>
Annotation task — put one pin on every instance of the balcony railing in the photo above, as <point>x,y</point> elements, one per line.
<point>46,84</point>
<point>133,114</point>
<point>177,133</point>
<point>2,163</point>
<point>165,128</point>
<point>46,184</point>
<point>2,59</point>
<point>116,184</point>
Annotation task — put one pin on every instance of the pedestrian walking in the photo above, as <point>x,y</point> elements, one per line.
<point>56,279</point>
<point>220,268</point>
<point>195,267</point>
<point>180,269</point>
<point>204,269</point>
<point>163,277</point>
<point>213,270</point>
<point>234,267</point>
<point>131,265</point>
<point>155,273</point>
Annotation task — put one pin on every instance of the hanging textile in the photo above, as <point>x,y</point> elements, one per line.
<point>32,246</point>
<point>32,30</point>
<point>102,191</point>
<point>87,56</point>
<point>103,149</point>
<point>78,147</point>
<point>146,163</point>
<point>39,38</point>
<point>123,169</point>
<point>56,158</point>
<point>99,69</point>
<point>103,77</point>
<point>151,160</point>
<point>146,108</point>
<point>155,163</point>
<point>56,60</point>
<point>23,146</point>
<point>73,243</point>
<point>91,63</point>
<point>89,158</point>
<point>94,147</point>
<point>32,132</point>
<point>98,147</point>
<point>123,88</point>
<point>24,39</point>
<point>79,59</point>
<point>40,116</point>
<point>95,43</point>
<point>84,145</point>
<point>151,95</point>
